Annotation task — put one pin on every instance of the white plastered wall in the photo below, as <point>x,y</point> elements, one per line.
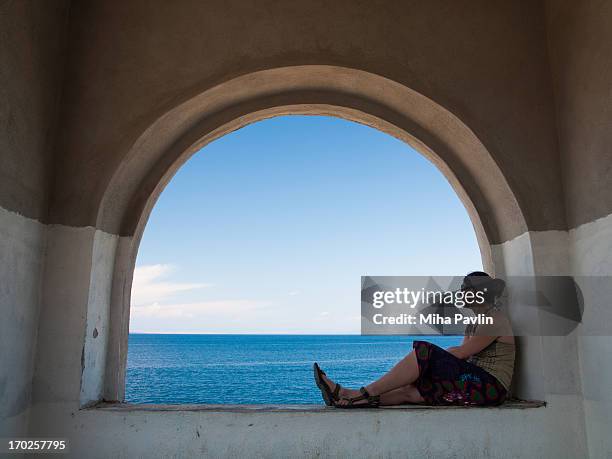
<point>22,242</point>
<point>74,319</point>
<point>548,367</point>
<point>71,374</point>
<point>591,264</point>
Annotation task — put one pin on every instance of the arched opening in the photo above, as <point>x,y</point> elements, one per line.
<point>176,133</point>
<point>248,269</point>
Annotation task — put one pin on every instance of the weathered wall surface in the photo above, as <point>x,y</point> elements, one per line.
<point>580,43</point>
<point>31,63</point>
<point>591,246</point>
<point>485,62</point>
<point>467,433</point>
<point>21,258</point>
<point>580,40</point>
<point>126,64</point>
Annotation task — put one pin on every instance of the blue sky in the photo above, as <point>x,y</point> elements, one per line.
<point>270,228</point>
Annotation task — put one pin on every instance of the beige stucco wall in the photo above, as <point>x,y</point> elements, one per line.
<point>82,82</point>
<point>31,65</point>
<point>130,62</point>
<point>580,44</point>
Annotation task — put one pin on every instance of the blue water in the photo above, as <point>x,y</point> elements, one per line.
<point>256,369</point>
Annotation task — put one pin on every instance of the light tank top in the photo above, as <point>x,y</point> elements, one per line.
<point>497,358</point>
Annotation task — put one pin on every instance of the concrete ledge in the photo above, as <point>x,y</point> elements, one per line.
<point>281,431</point>
<point>106,406</point>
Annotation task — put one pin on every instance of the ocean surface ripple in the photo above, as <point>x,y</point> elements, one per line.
<point>256,369</point>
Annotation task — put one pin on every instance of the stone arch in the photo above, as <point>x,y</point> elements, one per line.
<point>354,95</point>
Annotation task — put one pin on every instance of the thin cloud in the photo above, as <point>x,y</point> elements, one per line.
<point>242,316</point>
<point>159,306</point>
<point>222,308</point>
<point>149,285</point>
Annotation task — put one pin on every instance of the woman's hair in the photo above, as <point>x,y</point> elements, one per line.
<point>482,282</point>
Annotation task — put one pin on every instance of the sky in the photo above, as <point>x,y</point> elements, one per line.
<point>269,229</point>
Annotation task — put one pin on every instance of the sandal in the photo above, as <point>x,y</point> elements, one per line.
<point>372,401</point>
<point>330,397</point>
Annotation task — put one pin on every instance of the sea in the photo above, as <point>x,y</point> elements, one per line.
<point>256,369</point>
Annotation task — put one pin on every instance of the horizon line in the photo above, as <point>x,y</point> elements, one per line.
<point>232,333</point>
<point>277,334</point>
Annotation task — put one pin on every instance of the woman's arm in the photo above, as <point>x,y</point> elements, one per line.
<point>453,350</point>
<point>471,346</point>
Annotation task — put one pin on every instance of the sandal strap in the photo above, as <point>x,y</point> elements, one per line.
<point>336,392</point>
<point>353,400</point>
<point>373,400</point>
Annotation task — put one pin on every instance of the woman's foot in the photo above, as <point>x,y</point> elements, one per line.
<point>331,392</point>
<point>363,399</point>
<point>340,397</point>
<point>343,393</point>
<point>336,395</point>
<point>345,396</point>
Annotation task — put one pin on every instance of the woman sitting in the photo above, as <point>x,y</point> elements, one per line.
<point>478,372</point>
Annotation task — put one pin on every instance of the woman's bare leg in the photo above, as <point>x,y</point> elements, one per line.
<point>404,373</point>
<point>401,396</point>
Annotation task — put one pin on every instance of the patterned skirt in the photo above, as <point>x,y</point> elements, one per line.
<point>447,380</point>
